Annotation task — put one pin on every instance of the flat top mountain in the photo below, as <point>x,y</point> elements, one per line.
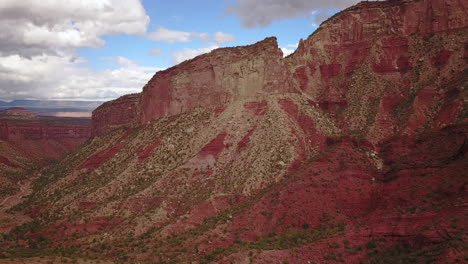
<point>352,149</point>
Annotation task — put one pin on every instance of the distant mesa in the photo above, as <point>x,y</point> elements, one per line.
<point>19,112</point>
<point>54,108</point>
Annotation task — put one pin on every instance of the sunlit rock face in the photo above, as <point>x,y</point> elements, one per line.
<point>384,67</point>
<point>216,78</point>
<point>124,111</point>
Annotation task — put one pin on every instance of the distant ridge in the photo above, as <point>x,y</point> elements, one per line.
<point>55,105</point>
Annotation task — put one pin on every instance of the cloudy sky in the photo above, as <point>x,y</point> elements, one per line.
<point>101,49</point>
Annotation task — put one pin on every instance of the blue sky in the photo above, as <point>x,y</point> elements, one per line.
<point>102,49</point>
<point>190,16</point>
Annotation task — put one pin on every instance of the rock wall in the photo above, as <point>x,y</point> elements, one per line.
<point>372,57</point>
<point>367,64</point>
<point>379,31</point>
<point>124,111</point>
<point>216,78</point>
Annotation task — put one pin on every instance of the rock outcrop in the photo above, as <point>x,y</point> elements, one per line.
<point>124,111</point>
<point>216,78</point>
<point>372,64</point>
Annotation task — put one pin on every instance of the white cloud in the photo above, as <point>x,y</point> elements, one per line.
<point>220,37</point>
<point>186,54</point>
<point>286,51</point>
<point>155,52</point>
<point>38,42</point>
<point>289,49</point>
<point>32,27</point>
<point>252,14</point>
<point>171,36</point>
<point>64,77</point>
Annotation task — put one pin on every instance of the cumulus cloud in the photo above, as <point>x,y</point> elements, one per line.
<point>220,37</point>
<point>254,15</point>
<point>32,27</point>
<point>66,77</point>
<point>286,51</point>
<point>38,43</point>
<point>289,49</point>
<point>186,54</point>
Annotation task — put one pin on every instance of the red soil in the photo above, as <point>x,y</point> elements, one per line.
<point>257,108</point>
<point>102,156</point>
<point>7,162</point>
<point>245,140</point>
<point>215,147</point>
<point>146,152</point>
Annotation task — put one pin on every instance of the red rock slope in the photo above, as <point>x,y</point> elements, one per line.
<point>352,149</point>
<point>29,141</point>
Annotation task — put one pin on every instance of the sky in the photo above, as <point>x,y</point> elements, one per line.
<point>102,49</point>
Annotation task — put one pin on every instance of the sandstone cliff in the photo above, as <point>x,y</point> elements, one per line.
<point>124,111</point>
<point>216,78</point>
<point>383,67</point>
<point>358,66</point>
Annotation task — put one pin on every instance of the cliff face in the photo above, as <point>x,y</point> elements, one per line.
<point>383,67</point>
<point>216,78</point>
<point>359,66</point>
<point>352,149</point>
<point>124,111</point>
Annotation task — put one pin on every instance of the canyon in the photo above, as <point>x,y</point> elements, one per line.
<point>42,137</point>
<point>29,141</point>
<point>352,149</point>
